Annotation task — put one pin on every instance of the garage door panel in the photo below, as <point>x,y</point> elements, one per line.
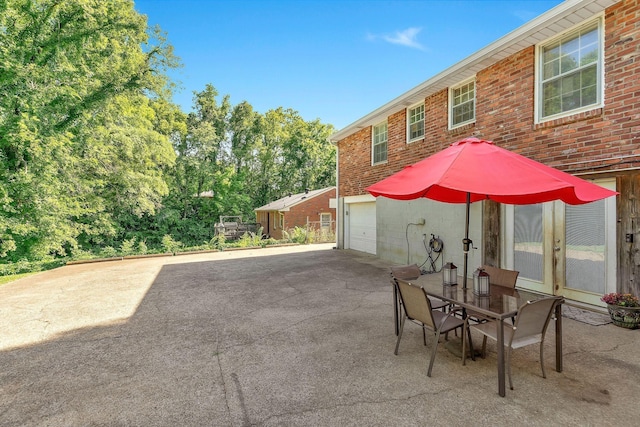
<point>362,227</point>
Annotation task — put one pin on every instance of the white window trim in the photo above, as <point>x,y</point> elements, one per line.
<point>373,162</point>
<point>538,72</point>
<point>475,102</point>
<point>424,122</point>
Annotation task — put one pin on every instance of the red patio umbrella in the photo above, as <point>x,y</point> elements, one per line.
<point>472,169</point>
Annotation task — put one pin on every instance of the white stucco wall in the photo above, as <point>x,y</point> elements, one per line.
<point>444,220</point>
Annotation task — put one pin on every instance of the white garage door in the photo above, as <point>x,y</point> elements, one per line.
<point>362,227</point>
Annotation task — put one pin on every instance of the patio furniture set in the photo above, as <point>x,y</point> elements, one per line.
<point>511,317</point>
<point>473,170</point>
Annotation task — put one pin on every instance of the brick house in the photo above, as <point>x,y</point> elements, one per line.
<point>564,90</point>
<point>310,210</point>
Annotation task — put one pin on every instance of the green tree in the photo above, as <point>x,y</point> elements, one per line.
<point>241,160</point>
<point>267,184</point>
<point>290,155</point>
<point>301,154</point>
<point>199,169</point>
<point>122,164</point>
<point>76,78</point>
<point>309,159</point>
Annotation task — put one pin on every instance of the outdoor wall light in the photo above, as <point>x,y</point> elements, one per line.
<point>480,282</point>
<point>449,274</point>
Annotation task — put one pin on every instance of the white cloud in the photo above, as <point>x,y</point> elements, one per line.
<point>406,37</point>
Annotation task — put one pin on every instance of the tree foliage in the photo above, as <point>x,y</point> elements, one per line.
<point>95,156</point>
<point>77,136</point>
<point>240,160</point>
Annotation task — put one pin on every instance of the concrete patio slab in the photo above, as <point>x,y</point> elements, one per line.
<point>270,337</point>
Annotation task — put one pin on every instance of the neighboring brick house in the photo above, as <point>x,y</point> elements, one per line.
<point>311,210</point>
<point>564,90</point>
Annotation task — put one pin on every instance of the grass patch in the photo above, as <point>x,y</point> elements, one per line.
<point>11,278</point>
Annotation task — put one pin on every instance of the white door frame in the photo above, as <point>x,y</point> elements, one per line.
<point>554,249</point>
<point>365,198</point>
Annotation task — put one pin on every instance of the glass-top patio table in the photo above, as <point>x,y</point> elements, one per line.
<point>503,303</point>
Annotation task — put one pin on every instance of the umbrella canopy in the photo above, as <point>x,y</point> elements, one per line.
<point>472,169</point>
<point>482,170</point>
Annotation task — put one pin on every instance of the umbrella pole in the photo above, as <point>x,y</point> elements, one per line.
<point>466,243</point>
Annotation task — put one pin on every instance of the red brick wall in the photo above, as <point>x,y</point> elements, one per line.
<point>604,139</point>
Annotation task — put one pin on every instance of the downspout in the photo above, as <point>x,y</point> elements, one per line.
<point>339,206</point>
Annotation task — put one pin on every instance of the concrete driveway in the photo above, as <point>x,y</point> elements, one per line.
<point>293,336</point>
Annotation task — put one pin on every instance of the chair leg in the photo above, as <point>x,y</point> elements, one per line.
<point>542,359</point>
<point>509,367</point>
<point>424,336</point>
<point>473,356</point>
<point>433,352</point>
<point>396,309</point>
<point>399,334</point>
<point>484,347</point>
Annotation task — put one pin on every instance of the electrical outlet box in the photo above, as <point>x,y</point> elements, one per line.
<point>421,221</point>
<point>628,238</point>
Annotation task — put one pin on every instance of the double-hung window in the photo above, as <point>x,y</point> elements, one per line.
<point>462,99</point>
<point>570,76</point>
<point>415,122</point>
<point>325,220</point>
<point>379,143</point>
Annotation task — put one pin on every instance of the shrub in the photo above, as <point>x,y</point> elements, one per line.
<point>142,247</point>
<point>79,254</point>
<point>108,252</point>
<point>24,266</point>
<point>217,242</point>
<point>128,246</point>
<point>299,235</point>
<point>170,245</point>
<point>269,241</point>
<point>249,240</point>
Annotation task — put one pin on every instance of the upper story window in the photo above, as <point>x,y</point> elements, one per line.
<point>570,77</point>
<point>379,143</point>
<point>462,99</point>
<point>415,122</point>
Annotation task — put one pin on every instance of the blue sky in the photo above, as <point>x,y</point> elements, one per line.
<point>331,60</point>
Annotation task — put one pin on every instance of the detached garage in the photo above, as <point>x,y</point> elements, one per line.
<point>360,226</point>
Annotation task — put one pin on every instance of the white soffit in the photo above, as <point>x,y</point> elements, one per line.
<point>562,17</point>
